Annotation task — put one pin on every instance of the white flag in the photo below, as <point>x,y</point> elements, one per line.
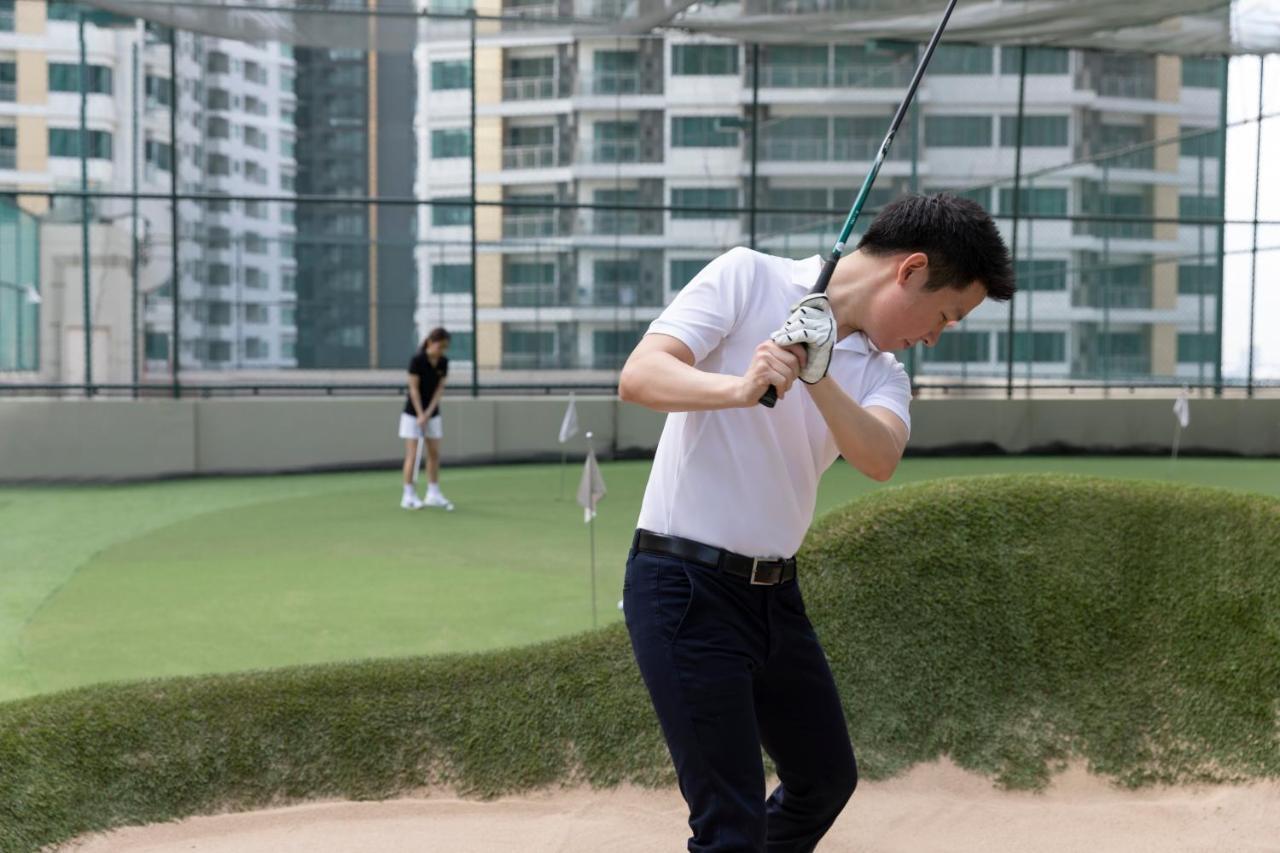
<point>1182,409</point>
<point>591,488</point>
<point>569,426</point>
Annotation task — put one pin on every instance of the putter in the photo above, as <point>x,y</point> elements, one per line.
<point>417,462</point>
<point>770,397</point>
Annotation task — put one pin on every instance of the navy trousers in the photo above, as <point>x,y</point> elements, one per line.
<point>733,667</point>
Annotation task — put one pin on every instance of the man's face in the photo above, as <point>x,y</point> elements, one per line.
<point>906,313</point>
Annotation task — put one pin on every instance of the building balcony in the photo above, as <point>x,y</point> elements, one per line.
<point>624,223</point>
<point>530,225</point>
<point>530,88</point>
<point>620,151</point>
<point>841,77</point>
<point>1111,297</point>
<point>529,157</point>
<point>532,296</point>
<point>615,83</point>
<point>795,149</point>
<point>1127,86</point>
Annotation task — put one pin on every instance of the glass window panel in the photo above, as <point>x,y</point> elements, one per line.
<point>952,131</point>
<point>704,59</point>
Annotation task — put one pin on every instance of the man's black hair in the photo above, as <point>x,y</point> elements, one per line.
<point>962,242</point>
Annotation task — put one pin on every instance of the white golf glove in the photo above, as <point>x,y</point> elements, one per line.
<point>813,325</point>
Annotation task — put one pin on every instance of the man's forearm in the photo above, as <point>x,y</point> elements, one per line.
<point>662,382</point>
<point>861,438</point>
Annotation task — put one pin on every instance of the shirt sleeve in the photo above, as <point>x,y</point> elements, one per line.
<point>444,366</point>
<point>414,366</point>
<point>708,308</point>
<point>892,391</point>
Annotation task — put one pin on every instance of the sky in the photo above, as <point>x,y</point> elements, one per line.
<point>1242,103</point>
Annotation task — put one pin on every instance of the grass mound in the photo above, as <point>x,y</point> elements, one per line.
<point>1009,622</point>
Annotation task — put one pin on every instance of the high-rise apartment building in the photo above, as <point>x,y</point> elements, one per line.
<point>665,120</point>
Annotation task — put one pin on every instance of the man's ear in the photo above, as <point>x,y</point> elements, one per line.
<point>913,268</point>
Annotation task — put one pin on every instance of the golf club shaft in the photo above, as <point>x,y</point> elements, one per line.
<point>829,267</point>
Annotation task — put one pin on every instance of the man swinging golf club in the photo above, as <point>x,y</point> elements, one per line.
<point>711,598</point>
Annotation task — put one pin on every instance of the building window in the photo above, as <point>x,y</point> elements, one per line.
<point>255,73</point>
<point>217,99</point>
<point>219,275</point>
<point>1040,60</point>
<point>683,271</point>
<point>65,142</point>
<point>615,142</point>
<point>1046,201</point>
<point>451,214</point>
<point>6,16</point>
<point>255,138</point>
<point>216,127</point>
<point>1041,275</point>
<point>1037,131</point>
<point>951,131</point>
<point>724,200</point>
<point>1196,347</point>
<point>451,278</point>
<point>704,131</point>
<point>1203,142</point>
<point>1034,346</point>
<point>159,154</point>
<point>217,62</point>
<point>255,244</point>
<point>65,77</point>
<point>455,142</point>
<point>962,59</point>
<point>160,94</point>
<point>8,81</point>
<point>1197,279</point>
<point>1199,207</point>
<point>255,278</point>
<point>450,74</point>
<point>218,164</point>
<point>1198,73</point>
<point>960,346</point>
<point>615,72</point>
<point>704,59</point>
<point>256,348</point>
<point>157,346</point>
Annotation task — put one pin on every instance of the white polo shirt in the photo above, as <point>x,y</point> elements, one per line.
<point>747,479</point>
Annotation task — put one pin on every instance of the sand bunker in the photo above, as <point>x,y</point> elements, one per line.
<point>934,807</point>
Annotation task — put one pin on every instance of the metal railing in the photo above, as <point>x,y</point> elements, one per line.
<point>530,88</point>
<point>527,225</point>
<point>616,151</point>
<point>1127,86</point>
<point>612,83</point>
<point>528,156</point>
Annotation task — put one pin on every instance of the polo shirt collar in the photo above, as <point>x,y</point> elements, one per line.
<point>805,274</point>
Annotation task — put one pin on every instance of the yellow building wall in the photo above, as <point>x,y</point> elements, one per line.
<point>489,345</point>
<point>1164,349</point>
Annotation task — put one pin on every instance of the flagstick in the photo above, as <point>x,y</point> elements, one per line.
<point>563,457</point>
<point>1177,434</point>
<point>592,526</point>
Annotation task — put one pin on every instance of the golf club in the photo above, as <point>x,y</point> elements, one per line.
<point>824,278</point>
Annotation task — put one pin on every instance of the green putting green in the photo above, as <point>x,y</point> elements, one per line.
<point>200,576</point>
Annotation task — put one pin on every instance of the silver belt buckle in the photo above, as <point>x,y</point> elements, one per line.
<point>755,572</point>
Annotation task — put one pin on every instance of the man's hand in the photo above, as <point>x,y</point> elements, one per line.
<point>771,365</point>
<point>812,325</point>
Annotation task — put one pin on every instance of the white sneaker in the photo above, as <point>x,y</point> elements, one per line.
<point>437,499</point>
<point>411,502</point>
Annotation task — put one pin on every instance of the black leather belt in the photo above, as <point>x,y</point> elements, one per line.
<point>758,572</point>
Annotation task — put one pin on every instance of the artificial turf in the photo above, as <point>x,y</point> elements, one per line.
<point>1009,622</point>
<point>110,582</point>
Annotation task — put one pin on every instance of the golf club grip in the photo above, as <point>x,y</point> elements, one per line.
<point>770,397</point>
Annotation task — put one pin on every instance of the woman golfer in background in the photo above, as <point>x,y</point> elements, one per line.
<point>421,422</point>
<point>712,602</point>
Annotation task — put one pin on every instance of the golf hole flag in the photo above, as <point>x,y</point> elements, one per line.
<point>591,489</point>
<point>1182,409</point>
<point>569,426</point>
